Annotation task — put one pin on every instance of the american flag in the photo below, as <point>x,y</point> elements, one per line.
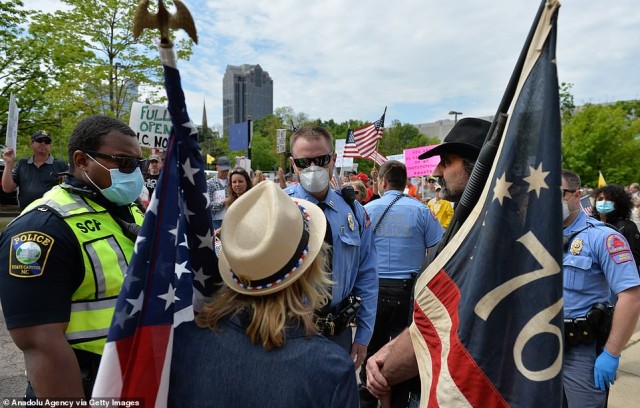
<point>378,158</point>
<point>366,137</point>
<point>350,148</point>
<point>173,255</point>
<point>488,331</point>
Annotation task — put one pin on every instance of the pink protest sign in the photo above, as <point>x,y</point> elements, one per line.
<point>417,167</point>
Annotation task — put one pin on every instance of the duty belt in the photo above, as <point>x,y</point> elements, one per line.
<point>396,283</point>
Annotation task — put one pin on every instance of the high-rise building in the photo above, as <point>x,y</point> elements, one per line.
<point>247,92</point>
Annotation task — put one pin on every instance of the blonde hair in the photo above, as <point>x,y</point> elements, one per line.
<point>270,314</point>
<point>257,177</point>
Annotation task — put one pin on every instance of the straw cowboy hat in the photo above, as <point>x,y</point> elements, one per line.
<point>269,240</point>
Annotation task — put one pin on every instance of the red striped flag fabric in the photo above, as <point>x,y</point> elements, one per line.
<point>487,331</point>
<point>378,158</point>
<point>173,268</point>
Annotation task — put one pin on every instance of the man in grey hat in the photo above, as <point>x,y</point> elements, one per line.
<point>33,176</point>
<point>396,361</point>
<point>216,188</point>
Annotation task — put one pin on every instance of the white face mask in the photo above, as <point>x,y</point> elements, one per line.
<point>314,179</point>
<point>565,210</point>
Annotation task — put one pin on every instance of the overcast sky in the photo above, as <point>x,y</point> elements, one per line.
<point>348,59</point>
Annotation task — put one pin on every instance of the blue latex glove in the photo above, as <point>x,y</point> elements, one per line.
<point>604,371</point>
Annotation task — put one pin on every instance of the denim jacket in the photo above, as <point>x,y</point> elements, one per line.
<point>222,368</point>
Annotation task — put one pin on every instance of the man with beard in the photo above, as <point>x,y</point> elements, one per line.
<point>396,361</point>
<point>354,260</point>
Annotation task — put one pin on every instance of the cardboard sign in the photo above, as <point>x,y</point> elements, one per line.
<point>12,123</point>
<point>417,167</point>
<point>152,124</point>
<point>397,157</point>
<point>281,140</point>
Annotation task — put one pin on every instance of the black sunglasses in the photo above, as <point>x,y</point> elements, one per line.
<point>565,191</point>
<point>44,140</point>
<point>126,164</point>
<point>305,162</point>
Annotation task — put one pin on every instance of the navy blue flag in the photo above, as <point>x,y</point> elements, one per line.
<point>488,318</point>
<point>239,136</point>
<point>173,255</point>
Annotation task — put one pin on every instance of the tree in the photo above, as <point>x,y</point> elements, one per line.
<point>75,63</point>
<point>567,105</point>
<point>289,118</point>
<point>603,138</point>
<point>26,66</point>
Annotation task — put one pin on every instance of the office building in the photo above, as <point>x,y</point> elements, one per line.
<point>247,93</point>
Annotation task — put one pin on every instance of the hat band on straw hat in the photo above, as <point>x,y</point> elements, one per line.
<point>284,272</point>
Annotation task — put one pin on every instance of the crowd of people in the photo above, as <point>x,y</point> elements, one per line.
<point>318,272</point>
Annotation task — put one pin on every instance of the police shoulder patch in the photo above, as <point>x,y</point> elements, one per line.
<point>29,253</point>
<point>618,249</point>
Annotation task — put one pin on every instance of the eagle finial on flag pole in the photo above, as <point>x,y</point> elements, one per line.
<point>163,20</point>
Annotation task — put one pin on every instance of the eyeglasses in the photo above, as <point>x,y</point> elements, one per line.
<point>565,191</point>
<point>305,162</point>
<point>126,164</point>
<point>238,171</point>
<point>44,140</point>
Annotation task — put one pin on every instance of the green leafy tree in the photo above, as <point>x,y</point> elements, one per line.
<point>76,62</point>
<point>567,104</point>
<point>603,138</point>
<point>27,69</point>
<point>263,146</point>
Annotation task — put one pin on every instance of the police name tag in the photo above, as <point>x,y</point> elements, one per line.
<point>29,253</point>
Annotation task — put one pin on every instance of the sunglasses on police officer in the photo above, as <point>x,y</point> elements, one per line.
<point>304,162</point>
<point>44,140</point>
<point>126,164</point>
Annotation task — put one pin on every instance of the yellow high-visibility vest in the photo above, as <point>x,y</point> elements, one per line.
<point>106,252</point>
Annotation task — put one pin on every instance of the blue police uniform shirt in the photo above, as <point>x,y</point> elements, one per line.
<point>354,257</point>
<point>598,259</point>
<point>408,229</point>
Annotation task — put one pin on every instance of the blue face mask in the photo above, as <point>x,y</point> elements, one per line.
<point>605,207</point>
<point>125,188</point>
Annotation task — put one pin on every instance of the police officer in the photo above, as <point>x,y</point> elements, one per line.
<point>354,258</point>
<point>62,261</point>
<point>403,229</point>
<point>597,260</point>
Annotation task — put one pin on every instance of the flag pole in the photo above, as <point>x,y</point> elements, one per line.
<point>378,141</point>
<point>482,168</point>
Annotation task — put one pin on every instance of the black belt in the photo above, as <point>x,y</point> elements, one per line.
<point>396,283</point>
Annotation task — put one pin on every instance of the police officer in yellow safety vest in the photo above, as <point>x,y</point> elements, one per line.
<point>63,260</point>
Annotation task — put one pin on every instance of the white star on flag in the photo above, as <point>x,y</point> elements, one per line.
<point>200,276</point>
<point>181,268</point>
<point>536,179</point>
<point>136,303</point>
<point>192,126</point>
<point>189,171</point>
<point>169,297</point>
<point>139,240</point>
<point>501,190</point>
<point>206,241</point>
